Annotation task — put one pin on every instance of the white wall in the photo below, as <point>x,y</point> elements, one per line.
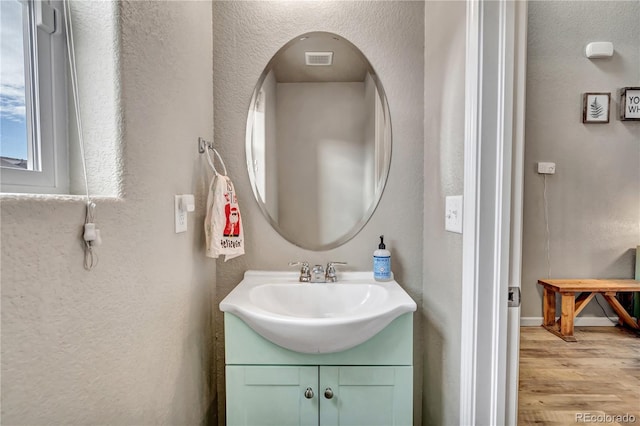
<point>391,35</point>
<point>373,142</point>
<point>271,138</point>
<point>130,342</point>
<point>594,197</point>
<point>443,175</point>
<point>321,146</point>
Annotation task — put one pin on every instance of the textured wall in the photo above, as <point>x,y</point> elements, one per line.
<point>594,197</point>
<point>391,35</point>
<point>129,343</point>
<point>96,43</point>
<point>443,175</point>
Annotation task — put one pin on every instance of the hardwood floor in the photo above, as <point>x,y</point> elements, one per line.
<point>567,383</point>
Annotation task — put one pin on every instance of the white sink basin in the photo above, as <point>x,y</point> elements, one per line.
<point>316,318</point>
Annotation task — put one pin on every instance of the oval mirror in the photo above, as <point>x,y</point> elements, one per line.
<point>318,141</point>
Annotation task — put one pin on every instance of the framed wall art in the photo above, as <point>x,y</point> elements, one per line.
<point>595,107</point>
<point>630,104</point>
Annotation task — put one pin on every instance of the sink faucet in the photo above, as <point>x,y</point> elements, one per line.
<point>317,274</point>
<point>305,274</point>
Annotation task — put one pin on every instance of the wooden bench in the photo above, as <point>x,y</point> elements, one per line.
<point>572,306</point>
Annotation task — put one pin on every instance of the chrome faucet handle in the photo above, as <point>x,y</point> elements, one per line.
<point>331,274</point>
<point>305,274</point>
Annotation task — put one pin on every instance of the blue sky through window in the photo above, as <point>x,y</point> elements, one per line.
<point>13,125</point>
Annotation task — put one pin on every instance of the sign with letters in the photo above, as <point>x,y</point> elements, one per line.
<point>630,104</point>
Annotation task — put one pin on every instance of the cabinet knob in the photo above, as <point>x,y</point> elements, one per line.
<point>328,393</point>
<point>308,393</point>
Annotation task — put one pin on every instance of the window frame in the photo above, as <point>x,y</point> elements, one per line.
<point>46,102</point>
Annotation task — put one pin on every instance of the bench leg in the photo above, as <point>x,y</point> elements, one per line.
<point>582,301</point>
<point>548,307</point>
<point>622,313</point>
<point>566,318</point>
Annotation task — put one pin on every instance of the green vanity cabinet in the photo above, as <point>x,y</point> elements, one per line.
<point>323,395</point>
<point>366,396</point>
<point>271,395</point>
<point>370,384</point>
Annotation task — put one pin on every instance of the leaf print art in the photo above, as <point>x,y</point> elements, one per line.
<point>596,110</point>
<point>595,107</point>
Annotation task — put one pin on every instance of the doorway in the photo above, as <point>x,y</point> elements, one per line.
<point>601,161</point>
<point>583,220</point>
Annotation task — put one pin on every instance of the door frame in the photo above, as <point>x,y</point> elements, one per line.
<point>517,209</point>
<point>493,150</point>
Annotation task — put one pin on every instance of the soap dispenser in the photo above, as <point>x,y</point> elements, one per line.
<point>382,262</point>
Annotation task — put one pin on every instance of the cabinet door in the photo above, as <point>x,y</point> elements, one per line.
<point>271,395</point>
<point>366,396</point>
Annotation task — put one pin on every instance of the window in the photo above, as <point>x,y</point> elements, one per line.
<point>15,147</point>
<point>33,97</point>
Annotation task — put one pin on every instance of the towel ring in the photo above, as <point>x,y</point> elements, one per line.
<point>211,162</point>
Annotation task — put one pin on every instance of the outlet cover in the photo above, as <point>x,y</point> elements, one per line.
<point>453,214</point>
<point>546,168</point>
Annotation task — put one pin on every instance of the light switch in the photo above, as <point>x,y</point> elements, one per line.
<point>453,213</point>
<point>181,215</point>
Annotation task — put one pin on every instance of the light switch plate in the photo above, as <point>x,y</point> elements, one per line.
<point>453,213</point>
<point>181,215</point>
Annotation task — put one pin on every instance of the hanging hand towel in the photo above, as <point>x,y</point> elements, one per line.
<point>223,225</point>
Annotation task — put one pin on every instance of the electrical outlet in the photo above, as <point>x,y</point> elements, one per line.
<point>180,214</point>
<point>546,168</point>
<point>453,214</point>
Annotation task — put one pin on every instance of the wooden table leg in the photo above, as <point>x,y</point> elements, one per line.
<point>548,307</point>
<point>566,318</point>
<point>622,312</point>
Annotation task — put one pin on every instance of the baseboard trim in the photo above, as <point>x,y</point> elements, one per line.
<point>579,321</point>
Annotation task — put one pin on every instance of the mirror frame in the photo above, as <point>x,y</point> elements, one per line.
<point>387,150</point>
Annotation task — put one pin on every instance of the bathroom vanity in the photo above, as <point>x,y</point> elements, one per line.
<point>318,354</point>
<point>370,384</point>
